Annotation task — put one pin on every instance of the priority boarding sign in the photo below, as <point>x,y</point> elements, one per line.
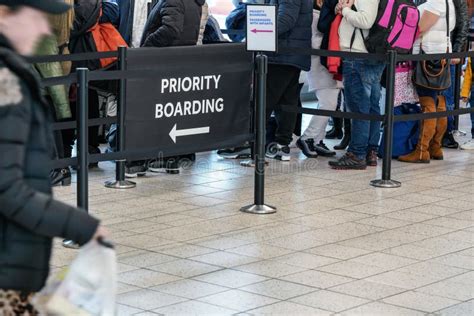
<point>196,98</point>
<point>261,28</point>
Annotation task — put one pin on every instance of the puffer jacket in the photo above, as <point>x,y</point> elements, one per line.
<point>294,31</point>
<point>29,216</point>
<point>173,23</point>
<point>59,94</point>
<point>461,31</point>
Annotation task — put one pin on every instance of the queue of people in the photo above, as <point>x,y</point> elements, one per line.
<point>345,25</point>
<point>354,85</point>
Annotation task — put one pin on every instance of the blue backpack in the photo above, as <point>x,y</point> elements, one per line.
<point>405,134</point>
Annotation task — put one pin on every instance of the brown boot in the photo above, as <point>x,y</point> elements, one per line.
<point>436,152</point>
<point>428,129</point>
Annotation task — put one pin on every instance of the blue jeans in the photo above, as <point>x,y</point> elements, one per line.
<point>362,92</point>
<point>449,95</point>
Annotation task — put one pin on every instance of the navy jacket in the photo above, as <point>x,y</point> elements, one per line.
<point>236,21</point>
<point>295,18</point>
<point>125,28</point>
<point>110,12</point>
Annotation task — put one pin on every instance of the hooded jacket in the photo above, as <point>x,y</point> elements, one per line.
<point>29,216</point>
<point>173,23</point>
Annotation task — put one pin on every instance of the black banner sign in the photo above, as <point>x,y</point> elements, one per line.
<point>198,99</point>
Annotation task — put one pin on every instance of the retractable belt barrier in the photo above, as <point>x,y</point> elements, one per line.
<point>197,84</point>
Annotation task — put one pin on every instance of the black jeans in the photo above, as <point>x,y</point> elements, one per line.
<point>283,94</point>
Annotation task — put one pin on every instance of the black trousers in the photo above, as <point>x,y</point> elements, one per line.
<point>283,94</point>
<point>70,135</point>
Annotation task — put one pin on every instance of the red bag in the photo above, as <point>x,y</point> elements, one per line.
<point>335,63</point>
<point>106,39</point>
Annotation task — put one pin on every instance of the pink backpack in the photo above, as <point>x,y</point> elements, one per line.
<point>395,28</point>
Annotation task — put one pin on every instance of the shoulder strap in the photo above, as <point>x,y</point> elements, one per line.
<point>355,31</point>
<point>447,26</point>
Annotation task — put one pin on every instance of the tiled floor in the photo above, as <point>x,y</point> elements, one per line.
<point>337,246</point>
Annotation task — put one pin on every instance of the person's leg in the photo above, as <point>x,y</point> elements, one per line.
<point>327,100</point>
<point>289,101</point>
<point>376,94</point>
<point>311,142</point>
<point>94,113</point>
<point>357,97</point>
<point>436,152</point>
<point>277,84</point>
<point>358,92</point>
<point>299,116</point>
<point>449,95</point>
<point>421,154</point>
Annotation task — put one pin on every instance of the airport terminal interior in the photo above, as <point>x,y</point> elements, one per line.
<point>336,245</point>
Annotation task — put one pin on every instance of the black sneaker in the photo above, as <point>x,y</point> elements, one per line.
<point>348,162</point>
<point>372,158</point>
<point>134,171</point>
<point>279,152</point>
<point>323,150</point>
<point>449,141</point>
<point>307,147</point>
<point>235,153</point>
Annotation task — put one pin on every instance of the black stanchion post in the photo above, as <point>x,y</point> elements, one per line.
<point>120,182</point>
<point>251,161</point>
<point>259,206</point>
<point>386,181</point>
<point>457,96</point>
<point>82,145</point>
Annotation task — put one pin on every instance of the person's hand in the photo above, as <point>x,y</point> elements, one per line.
<point>348,4</point>
<point>455,61</point>
<point>338,9</point>
<point>101,232</point>
<point>464,99</point>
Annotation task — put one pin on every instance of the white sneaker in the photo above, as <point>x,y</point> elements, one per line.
<point>279,152</point>
<point>469,145</point>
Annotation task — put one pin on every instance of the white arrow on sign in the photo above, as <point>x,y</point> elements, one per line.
<point>187,132</point>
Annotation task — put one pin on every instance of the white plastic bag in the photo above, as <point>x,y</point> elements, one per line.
<point>89,285</point>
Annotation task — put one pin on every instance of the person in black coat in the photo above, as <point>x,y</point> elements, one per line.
<point>173,23</point>
<point>170,23</point>
<point>29,216</point>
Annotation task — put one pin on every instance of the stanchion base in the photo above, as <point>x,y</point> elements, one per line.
<point>251,163</point>
<point>259,209</point>
<point>70,244</point>
<point>387,184</point>
<point>122,185</point>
